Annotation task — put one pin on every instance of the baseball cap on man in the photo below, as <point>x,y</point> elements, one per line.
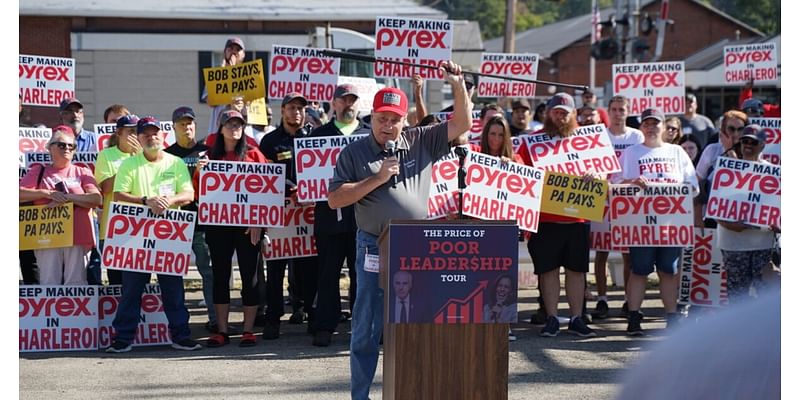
<point>345,89</point>
<point>294,96</point>
<point>562,101</point>
<point>390,99</point>
<point>236,41</point>
<point>754,131</point>
<point>68,102</point>
<point>145,122</point>
<point>752,103</point>
<point>653,113</point>
<point>127,121</point>
<point>183,112</point>
<point>521,103</point>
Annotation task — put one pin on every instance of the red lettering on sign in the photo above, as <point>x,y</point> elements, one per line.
<point>211,181</point>
<point>146,228</point>
<point>445,170</point>
<point>749,181</point>
<point>501,180</point>
<point>316,158</point>
<point>310,65</point>
<point>641,205</point>
<point>54,307</point>
<point>644,81</point>
<point>45,72</point>
<point>28,145</point>
<point>507,69</point>
<point>410,38</point>
<point>748,57</point>
<point>565,145</point>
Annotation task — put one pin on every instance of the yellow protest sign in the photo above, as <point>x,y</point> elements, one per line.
<point>225,83</point>
<point>570,196</point>
<point>42,227</point>
<point>257,112</point>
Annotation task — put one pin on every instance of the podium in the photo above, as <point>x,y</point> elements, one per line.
<point>449,355</point>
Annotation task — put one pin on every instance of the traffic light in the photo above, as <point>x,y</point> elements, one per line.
<point>606,49</point>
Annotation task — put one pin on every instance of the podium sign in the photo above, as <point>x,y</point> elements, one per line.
<point>452,274</point>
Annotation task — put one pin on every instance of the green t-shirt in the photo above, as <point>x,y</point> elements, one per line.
<point>346,129</point>
<point>140,177</point>
<point>106,166</point>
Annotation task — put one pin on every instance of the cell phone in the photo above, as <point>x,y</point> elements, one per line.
<point>61,187</point>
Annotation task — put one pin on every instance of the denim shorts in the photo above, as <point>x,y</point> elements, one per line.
<point>665,260</point>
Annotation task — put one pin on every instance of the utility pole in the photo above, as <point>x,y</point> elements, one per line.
<point>508,39</point>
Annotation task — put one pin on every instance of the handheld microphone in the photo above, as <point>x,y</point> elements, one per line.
<point>390,146</point>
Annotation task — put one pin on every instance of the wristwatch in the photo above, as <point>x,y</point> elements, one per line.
<point>144,200</point>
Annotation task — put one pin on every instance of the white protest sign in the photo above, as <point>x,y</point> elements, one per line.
<point>703,279</point>
<point>153,328</point>
<point>523,66</point>
<point>296,239</point>
<point>140,241</point>
<point>443,195</point>
<point>502,191</point>
<point>302,70</point>
<point>104,132</point>
<point>651,85</point>
<point>366,87</point>
<point>756,61</point>
<point>32,140</point>
<point>411,40</point>
<point>57,318</point>
<point>474,130</point>
<point>772,149</point>
<point>316,159</point>
<point>46,81</point>
<point>588,148</point>
<point>656,216</point>
<point>82,159</point>
<point>241,194</point>
<point>744,191</point>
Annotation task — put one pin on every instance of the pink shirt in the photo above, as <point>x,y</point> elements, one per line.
<point>76,180</point>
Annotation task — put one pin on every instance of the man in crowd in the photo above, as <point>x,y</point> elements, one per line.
<point>590,99</point>
<point>520,117</point>
<point>157,180</point>
<point>190,151</point>
<point>365,176</point>
<point>588,115</point>
<point>335,230</point>
<point>278,146</point>
<point>561,241</point>
<point>696,124</point>
<point>71,112</point>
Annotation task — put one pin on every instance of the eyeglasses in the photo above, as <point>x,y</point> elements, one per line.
<point>233,125</point>
<point>750,142</point>
<point>672,128</point>
<point>64,146</point>
<point>734,129</point>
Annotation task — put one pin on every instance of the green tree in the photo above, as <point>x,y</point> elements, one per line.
<point>764,15</point>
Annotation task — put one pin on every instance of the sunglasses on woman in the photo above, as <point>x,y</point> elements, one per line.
<point>64,146</point>
<point>749,142</point>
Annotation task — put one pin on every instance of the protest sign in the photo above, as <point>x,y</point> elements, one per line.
<point>242,80</point>
<point>83,159</point>
<point>296,239</point>
<point>651,85</point>
<point>316,160</point>
<point>522,66</point>
<point>474,130</point>
<point>366,88</point>
<point>499,190</point>
<point>257,112</point>
<point>655,216</point>
<point>153,328</point>
<point>452,273</point>
<point>303,70</point>
<point>32,140</point>
<point>755,61</point>
<point>57,318</point>
<point>241,194</point>
<point>140,241</point>
<point>571,196</point>
<point>772,149</point>
<point>703,279</point>
<point>104,132</point>
<point>412,40</point>
<point>600,234</point>
<point>46,81</point>
<point>443,196</point>
<point>588,148</point>
<point>747,192</point>
<point>44,227</point>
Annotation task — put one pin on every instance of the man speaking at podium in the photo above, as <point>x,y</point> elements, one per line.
<point>387,176</point>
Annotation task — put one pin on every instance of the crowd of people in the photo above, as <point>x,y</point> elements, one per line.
<point>368,189</point>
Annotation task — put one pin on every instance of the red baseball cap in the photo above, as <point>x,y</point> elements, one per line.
<point>390,99</point>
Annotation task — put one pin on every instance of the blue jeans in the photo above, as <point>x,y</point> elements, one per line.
<point>130,305</point>
<point>367,324</point>
<point>202,258</point>
<point>665,260</point>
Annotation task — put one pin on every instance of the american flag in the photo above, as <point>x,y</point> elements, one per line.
<point>597,29</point>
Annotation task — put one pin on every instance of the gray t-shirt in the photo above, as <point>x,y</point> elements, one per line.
<point>700,127</point>
<point>417,149</point>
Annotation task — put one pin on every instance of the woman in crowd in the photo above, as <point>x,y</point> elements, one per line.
<point>55,184</point>
<point>126,144</point>
<point>496,140</point>
<point>672,130</point>
<point>746,249</point>
<point>639,165</point>
<point>224,240</point>
<point>691,146</point>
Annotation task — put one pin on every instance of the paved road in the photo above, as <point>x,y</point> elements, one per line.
<point>565,367</point>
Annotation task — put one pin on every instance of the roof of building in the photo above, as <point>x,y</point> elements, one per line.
<point>712,56</point>
<point>551,38</point>
<point>260,10</point>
